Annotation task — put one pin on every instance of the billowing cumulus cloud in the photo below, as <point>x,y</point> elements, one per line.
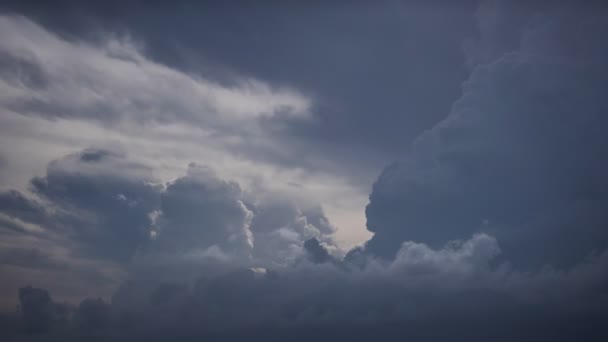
<point>201,211</point>
<point>519,156</point>
<point>96,207</point>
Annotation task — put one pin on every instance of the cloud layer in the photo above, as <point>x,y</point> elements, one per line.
<point>141,201</point>
<point>60,96</point>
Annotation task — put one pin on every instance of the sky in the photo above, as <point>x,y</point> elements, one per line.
<point>328,171</point>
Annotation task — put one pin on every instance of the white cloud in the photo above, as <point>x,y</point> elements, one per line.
<point>115,82</point>
<point>457,256</point>
<point>68,95</point>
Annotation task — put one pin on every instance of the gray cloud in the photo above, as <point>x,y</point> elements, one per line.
<point>96,208</point>
<point>200,211</point>
<point>39,312</point>
<point>102,200</point>
<point>517,157</point>
<point>15,204</point>
<point>454,286</point>
<point>317,253</point>
<point>491,226</point>
<point>93,315</point>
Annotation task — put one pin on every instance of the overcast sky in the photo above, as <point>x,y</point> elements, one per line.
<point>303,170</point>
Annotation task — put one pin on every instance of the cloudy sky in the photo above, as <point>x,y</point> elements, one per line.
<point>303,170</point>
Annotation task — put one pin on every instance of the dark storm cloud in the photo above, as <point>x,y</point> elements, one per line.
<point>519,156</point>
<point>39,312</point>
<point>316,252</point>
<point>93,315</point>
